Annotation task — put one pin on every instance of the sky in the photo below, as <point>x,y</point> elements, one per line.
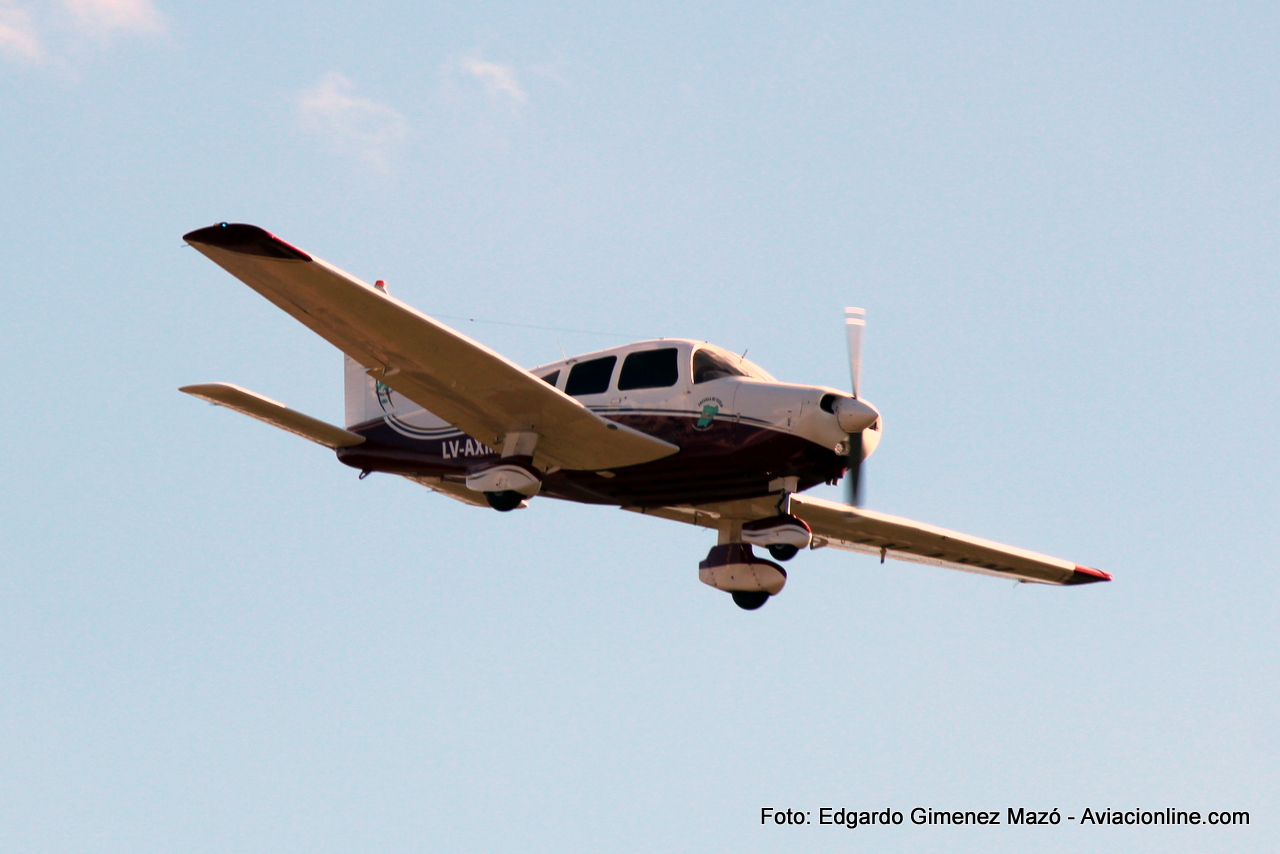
<point>1061,219</point>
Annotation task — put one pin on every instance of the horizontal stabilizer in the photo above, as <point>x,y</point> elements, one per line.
<point>273,413</point>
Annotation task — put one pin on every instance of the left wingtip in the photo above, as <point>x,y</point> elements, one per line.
<point>1087,575</point>
<point>246,239</point>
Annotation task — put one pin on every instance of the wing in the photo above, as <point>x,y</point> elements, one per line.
<point>276,414</point>
<point>456,491</point>
<point>861,530</point>
<point>465,383</point>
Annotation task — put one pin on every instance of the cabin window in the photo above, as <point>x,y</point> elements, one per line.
<point>708,366</point>
<point>590,377</point>
<point>552,378</point>
<point>649,369</point>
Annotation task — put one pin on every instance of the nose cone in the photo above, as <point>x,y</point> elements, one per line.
<point>854,416</point>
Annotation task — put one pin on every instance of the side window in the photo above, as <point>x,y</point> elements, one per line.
<point>708,366</point>
<point>552,378</point>
<point>591,377</point>
<point>649,369</point>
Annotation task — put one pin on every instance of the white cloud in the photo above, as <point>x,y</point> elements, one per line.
<point>351,123</point>
<point>33,31</point>
<point>499,81</point>
<point>101,17</point>
<point>18,37</point>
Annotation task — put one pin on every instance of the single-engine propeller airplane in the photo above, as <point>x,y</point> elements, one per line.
<point>677,429</point>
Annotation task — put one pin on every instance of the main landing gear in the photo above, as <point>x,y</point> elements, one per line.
<point>783,535</point>
<point>507,499</point>
<point>507,482</point>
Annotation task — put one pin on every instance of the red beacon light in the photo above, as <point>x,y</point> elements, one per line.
<point>380,285</point>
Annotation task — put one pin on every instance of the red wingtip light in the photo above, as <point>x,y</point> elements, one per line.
<point>1087,575</point>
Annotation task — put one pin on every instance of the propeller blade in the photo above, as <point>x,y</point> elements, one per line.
<point>855,321</point>
<point>853,478</point>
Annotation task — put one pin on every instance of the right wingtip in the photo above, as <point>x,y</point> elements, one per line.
<point>245,239</point>
<point>1087,575</point>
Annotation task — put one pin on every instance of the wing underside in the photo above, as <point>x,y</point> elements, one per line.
<point>456,491</point>
<point>867,531</point>
<point>465,383</point>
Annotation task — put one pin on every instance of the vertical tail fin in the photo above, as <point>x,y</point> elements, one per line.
<point>360,393</point>
<point>368,401</point>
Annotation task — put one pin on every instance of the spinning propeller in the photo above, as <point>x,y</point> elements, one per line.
<point>855,415</point>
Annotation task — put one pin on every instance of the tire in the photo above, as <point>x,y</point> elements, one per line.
<point>783,551</point>
<point>750,600</point>
<point>504,501</point>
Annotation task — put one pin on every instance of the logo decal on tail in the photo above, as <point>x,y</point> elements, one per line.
<point>400,425</point>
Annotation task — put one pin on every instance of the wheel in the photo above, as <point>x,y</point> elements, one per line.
<point>508,499</point>
<point>749,600</point>
<point>783,551</point>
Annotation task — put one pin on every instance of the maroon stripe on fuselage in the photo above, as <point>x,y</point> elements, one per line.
<point>722,462</point>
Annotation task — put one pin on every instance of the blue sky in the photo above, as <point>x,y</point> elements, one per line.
<point>1061,220</point>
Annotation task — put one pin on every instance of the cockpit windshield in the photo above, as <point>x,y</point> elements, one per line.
<point>709,365</point>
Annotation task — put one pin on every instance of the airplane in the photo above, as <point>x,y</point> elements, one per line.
<point>673,428</point>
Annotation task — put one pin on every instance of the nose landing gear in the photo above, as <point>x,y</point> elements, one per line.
<point>750,600</point>
<point>734,568</point>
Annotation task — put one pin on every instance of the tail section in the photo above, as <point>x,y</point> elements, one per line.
<point>370,403</point>
<point>361,395</point>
